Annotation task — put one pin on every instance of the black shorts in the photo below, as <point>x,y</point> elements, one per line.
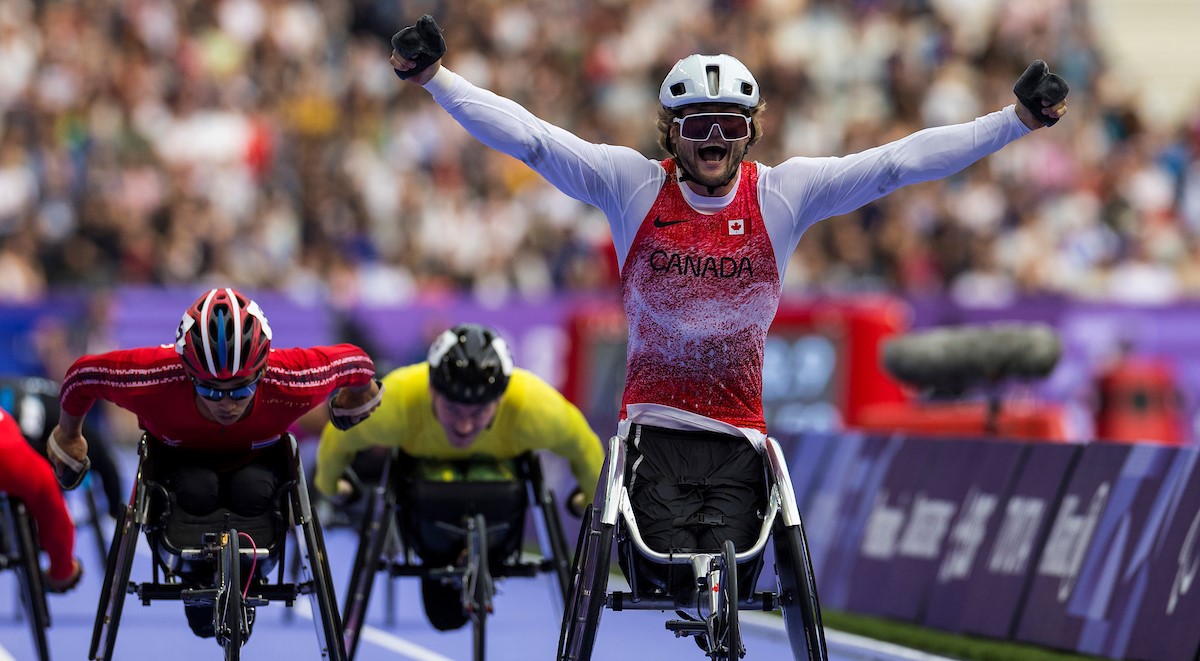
<point>692,490</point>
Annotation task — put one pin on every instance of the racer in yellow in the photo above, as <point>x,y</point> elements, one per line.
<point>466,402</point>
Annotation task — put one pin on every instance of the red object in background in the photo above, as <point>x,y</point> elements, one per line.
<point>1017,419</point>
<point>827,356</point>
<point>861,325</point>
<point>1138,401</point>
<point>260,149</point>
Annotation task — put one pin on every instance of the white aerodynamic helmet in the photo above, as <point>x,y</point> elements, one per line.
<point>709,79</point>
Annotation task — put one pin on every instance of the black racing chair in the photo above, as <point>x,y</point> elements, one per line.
<point>463,534</point>
<point>717,579</point>
<point>223,560</point>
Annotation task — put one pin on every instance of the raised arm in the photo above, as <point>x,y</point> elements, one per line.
<point>601,175</point>
<point>812,189</point>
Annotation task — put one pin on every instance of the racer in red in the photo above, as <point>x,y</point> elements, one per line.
<point>24,474</point>
<point>214,404</point>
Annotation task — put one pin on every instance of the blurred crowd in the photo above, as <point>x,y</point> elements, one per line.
<point>267,143</point>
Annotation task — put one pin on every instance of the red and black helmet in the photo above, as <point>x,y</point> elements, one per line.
<point>223,336</point>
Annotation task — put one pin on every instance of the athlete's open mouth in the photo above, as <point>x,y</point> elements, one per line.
<point>712,153</point>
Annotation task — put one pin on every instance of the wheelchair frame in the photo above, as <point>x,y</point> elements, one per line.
<point>385,546</point>
<point>19,551</point>
<point>220,548</point>
<point>713,618</point>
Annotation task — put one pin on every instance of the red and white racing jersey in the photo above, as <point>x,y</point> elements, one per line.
<point>700,291</point>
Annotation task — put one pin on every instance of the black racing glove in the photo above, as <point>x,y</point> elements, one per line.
<point>344,419</point>
<point>1038,89</point>
<point>67,471</point>
<point>422,43</point>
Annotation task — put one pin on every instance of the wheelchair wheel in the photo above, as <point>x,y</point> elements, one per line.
<point>547,504</point>
<point>558,545</point>
<point>589,582</point>
<point>798,594</point>
<point>373,534</point>
<point>316,563</point>
<point>29,576</point>
<point>94,516</point>
<point>727,643</point>
<point>230,615</point>
<point>477,584</point>
<point>116,585</point>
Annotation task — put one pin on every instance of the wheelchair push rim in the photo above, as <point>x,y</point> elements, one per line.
<point>589,584</point>
<point>20,544</point>
<point>798,594</point>
<point>315,565</point>
<point>115,585</point>
<point>230,608</point>
<point>373,534</point>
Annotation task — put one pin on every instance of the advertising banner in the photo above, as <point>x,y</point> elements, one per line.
<point>1106,505</point>
<point>1010,552</point>
<point>894,528</point>
<point>1114,575</point>
<point>979,477</point>
<point>837,512</point>
<point>1165,563</point>
<point>807,456</point>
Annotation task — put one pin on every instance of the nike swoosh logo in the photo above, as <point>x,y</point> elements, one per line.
<point>659,222</point>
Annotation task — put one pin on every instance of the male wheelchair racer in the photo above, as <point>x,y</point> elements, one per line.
<point>456,536</point>
<point>222,560</point>
<point>706,587</point>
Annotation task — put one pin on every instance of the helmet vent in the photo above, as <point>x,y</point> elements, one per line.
<point>678,89</point>
<point>747,89</point>
<point>713,72</point>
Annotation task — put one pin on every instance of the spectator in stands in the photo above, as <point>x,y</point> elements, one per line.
<point>184,149</point>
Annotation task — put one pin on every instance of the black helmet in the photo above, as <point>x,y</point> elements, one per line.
<point>470,364</point>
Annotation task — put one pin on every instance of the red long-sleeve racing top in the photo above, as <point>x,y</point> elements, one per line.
<point>150,382</point>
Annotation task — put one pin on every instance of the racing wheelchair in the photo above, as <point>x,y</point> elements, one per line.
<point>461,534</point>
<point>709,602</point>
<point>19,551</point>
<point>202,561</point>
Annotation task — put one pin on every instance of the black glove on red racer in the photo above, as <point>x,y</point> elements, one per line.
<point>1038,89</point>
<point>422,43</point>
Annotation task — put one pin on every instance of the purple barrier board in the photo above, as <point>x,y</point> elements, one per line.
<point>837,513</point>
<point>977,477</point>
<point>807,456</point>
<point>1114,576</point>
<point>888,535</point>
<point>1164,628</point>
<point>998,585</point>
<point>1106,508</point>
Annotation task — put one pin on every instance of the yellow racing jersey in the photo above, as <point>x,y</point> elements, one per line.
<point>531,415</point>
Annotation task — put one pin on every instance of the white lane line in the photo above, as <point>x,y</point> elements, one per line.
<point>847,645</point>
<point>389,642</point>
<point>399,645</point>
